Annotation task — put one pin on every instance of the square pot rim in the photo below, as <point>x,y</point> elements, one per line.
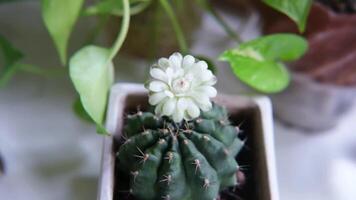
<point>122,90</point>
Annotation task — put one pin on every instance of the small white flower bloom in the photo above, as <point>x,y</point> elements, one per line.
<point>180,87</point>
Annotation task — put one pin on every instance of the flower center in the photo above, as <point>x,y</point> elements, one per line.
<point>180,85</point>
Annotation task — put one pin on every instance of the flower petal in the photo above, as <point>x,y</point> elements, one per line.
<point>207,90</point>
<point>211,81</point>
<point>178,116</point>
<point>155,98</point>
<point>202,65</point>
<point>169,93</point>
<point>157,86</point>
<point>164,63</point>
<point>169,73</point>
<point>158,74</point>
<point>206,75</point>
<point>176,60</point>
<point>169,107</point>
<point>205,106</point>
<point>199,73</point>
<point>193,110</point>
<point>197,97</point>
<point>202,101</point>
<point>158,109</point>
<point>188,61</point>
<point>183,103</point>
<point>178,73</point>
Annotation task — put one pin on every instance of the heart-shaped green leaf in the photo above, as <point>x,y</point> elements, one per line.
<point>91,71</point>
<point>297,10</point>
<point>257,62</point>
<point>79,111</point>
<point>10,56</point>
<point>59,17</point>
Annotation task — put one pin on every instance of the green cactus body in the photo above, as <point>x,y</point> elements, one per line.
<point>193,160</point>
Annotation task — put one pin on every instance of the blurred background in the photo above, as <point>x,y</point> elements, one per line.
<point>47,152</point>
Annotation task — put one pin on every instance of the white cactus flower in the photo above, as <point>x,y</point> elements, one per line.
<point>180,87</point>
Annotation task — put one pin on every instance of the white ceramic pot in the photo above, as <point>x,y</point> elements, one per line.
<point>254,112</point>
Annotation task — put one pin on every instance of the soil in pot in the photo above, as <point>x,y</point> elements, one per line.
<point>245,120</point>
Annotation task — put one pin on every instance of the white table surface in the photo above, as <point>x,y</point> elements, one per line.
<point>52,155</point>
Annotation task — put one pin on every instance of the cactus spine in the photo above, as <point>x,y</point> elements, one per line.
<point>192,160</point>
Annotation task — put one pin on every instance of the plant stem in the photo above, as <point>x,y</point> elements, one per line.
<point>5,78</point>
<point>177,28</point>
<point>209,8</point>
<point>123,31</point>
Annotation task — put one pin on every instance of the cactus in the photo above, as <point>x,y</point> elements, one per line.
<point>191,160</point>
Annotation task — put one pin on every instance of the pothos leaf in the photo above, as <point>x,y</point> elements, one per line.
<point>11,56</point>
<point>297,10</point>
<point>91,72</point>
<point>59,17</point>
<point>79,111</point>
<point>257,62</point>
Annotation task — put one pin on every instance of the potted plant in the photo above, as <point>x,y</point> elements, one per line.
<point>170,141</point>
<point>323,80</point>
<point>257,63</point>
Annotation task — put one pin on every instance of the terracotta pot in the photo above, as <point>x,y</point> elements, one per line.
<point>261,182</point>
<point>151,34</point>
